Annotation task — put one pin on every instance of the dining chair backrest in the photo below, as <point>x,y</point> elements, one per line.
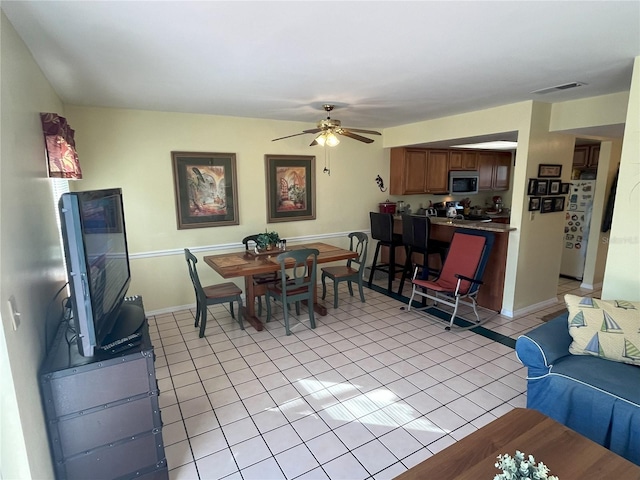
<point>249,238</point>
<point>302,269</point>
<point>193,274</point>
<point>381,226</point>
<point>358,242</point>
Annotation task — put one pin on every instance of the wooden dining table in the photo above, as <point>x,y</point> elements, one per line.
<point>247,264</point>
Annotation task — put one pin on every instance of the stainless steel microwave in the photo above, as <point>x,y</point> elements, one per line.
<point>463,183</point>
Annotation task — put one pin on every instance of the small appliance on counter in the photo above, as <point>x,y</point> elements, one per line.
<point>387,207</point>
<point>400,207</point>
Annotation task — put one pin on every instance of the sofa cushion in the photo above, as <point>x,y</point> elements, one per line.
<point>606,329</point>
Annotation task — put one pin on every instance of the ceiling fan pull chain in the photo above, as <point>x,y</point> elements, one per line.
<point>327,158</point>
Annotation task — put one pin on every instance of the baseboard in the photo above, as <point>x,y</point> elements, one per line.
<point>521,312</point>
<point>588,286</point>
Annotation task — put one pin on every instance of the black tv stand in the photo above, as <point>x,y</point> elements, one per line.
<point>102,412</point>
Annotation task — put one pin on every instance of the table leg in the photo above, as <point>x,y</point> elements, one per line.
<point>319,308</point>
<point>250,313</point>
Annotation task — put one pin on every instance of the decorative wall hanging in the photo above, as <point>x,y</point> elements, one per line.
<point>60,146</point>
<point>380,183</point>
<point>206,189</point>
<point>291,185</point>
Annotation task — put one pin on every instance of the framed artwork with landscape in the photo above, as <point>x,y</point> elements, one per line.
<point>291,187</point>
<point>205,188</point>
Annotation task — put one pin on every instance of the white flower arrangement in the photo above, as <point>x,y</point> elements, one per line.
<point>522,467</point>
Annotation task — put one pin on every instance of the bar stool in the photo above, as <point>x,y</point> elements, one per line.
<point>382,231</point>
<point>416,232</point>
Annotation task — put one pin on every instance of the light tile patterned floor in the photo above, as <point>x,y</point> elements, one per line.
<point>372,391</point>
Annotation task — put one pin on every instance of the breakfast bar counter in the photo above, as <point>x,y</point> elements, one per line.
<point>490,293</point>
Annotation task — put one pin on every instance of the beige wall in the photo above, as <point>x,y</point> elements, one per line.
<point>132,149</point>
<point>598,243</point>
<point>31,266</point>
<point>622,272</point>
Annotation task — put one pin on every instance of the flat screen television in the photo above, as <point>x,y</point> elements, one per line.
<point>95,243</point>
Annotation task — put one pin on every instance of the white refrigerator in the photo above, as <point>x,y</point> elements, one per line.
<point>576,227</point>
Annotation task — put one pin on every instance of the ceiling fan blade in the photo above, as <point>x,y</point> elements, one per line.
<point>304,132</point>
<point>349,134</point>
<point>370,132</point>
<point>314,143</point>
<point>289,136</point>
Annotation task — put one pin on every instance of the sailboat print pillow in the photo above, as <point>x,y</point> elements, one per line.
<point>604,328</point>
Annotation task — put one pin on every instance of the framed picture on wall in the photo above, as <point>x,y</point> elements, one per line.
<point>534,204</point>
<point>546,205</point>
<point>532,189</point>
<point>564,188</point>
<point>558,204</point>
<point>542,187</point>
<point>549,171</point>
<point>291,187</point>
<point>554,187</point>
<point>205,188</point>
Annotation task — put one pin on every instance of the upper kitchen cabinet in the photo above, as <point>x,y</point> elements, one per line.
<point>463,160</point>
<point>418,171</point>
<point>586,156</point>
<point>494,170</point>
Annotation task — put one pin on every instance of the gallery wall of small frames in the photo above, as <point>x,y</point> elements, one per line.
<point>545,191</point>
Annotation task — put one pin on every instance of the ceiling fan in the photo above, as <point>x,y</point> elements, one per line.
<point>328,128</point>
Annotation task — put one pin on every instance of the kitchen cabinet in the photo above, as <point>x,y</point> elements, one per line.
<point>437,179</point>
<point>586,156</point>
<point>418,171</point>
<point>494,170</point>
<point>463,160</point>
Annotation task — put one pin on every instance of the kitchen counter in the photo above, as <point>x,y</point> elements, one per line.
<point>490,293</point>
<point>476,225</point>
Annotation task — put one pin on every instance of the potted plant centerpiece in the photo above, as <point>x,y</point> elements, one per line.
<point>267,241</point>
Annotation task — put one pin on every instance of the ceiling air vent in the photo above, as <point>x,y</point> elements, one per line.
<point>564,86</point>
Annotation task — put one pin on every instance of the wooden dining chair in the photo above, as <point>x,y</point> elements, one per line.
<point>261,280</point>
<point>353,271</point>
<point>212,295</point>
<point>300,286</point>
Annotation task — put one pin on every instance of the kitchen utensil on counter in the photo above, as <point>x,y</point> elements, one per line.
<point>497,202</point>
<point>387,207</point>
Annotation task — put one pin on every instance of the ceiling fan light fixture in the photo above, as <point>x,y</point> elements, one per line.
<point>332,140</point>
<point>321,139</point>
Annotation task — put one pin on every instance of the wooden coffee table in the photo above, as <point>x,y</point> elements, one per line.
<point>568,454</point>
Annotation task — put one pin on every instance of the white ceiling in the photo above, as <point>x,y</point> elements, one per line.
<point>382,63</point>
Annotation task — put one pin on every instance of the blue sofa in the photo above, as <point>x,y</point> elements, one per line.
<point>597,398</point>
